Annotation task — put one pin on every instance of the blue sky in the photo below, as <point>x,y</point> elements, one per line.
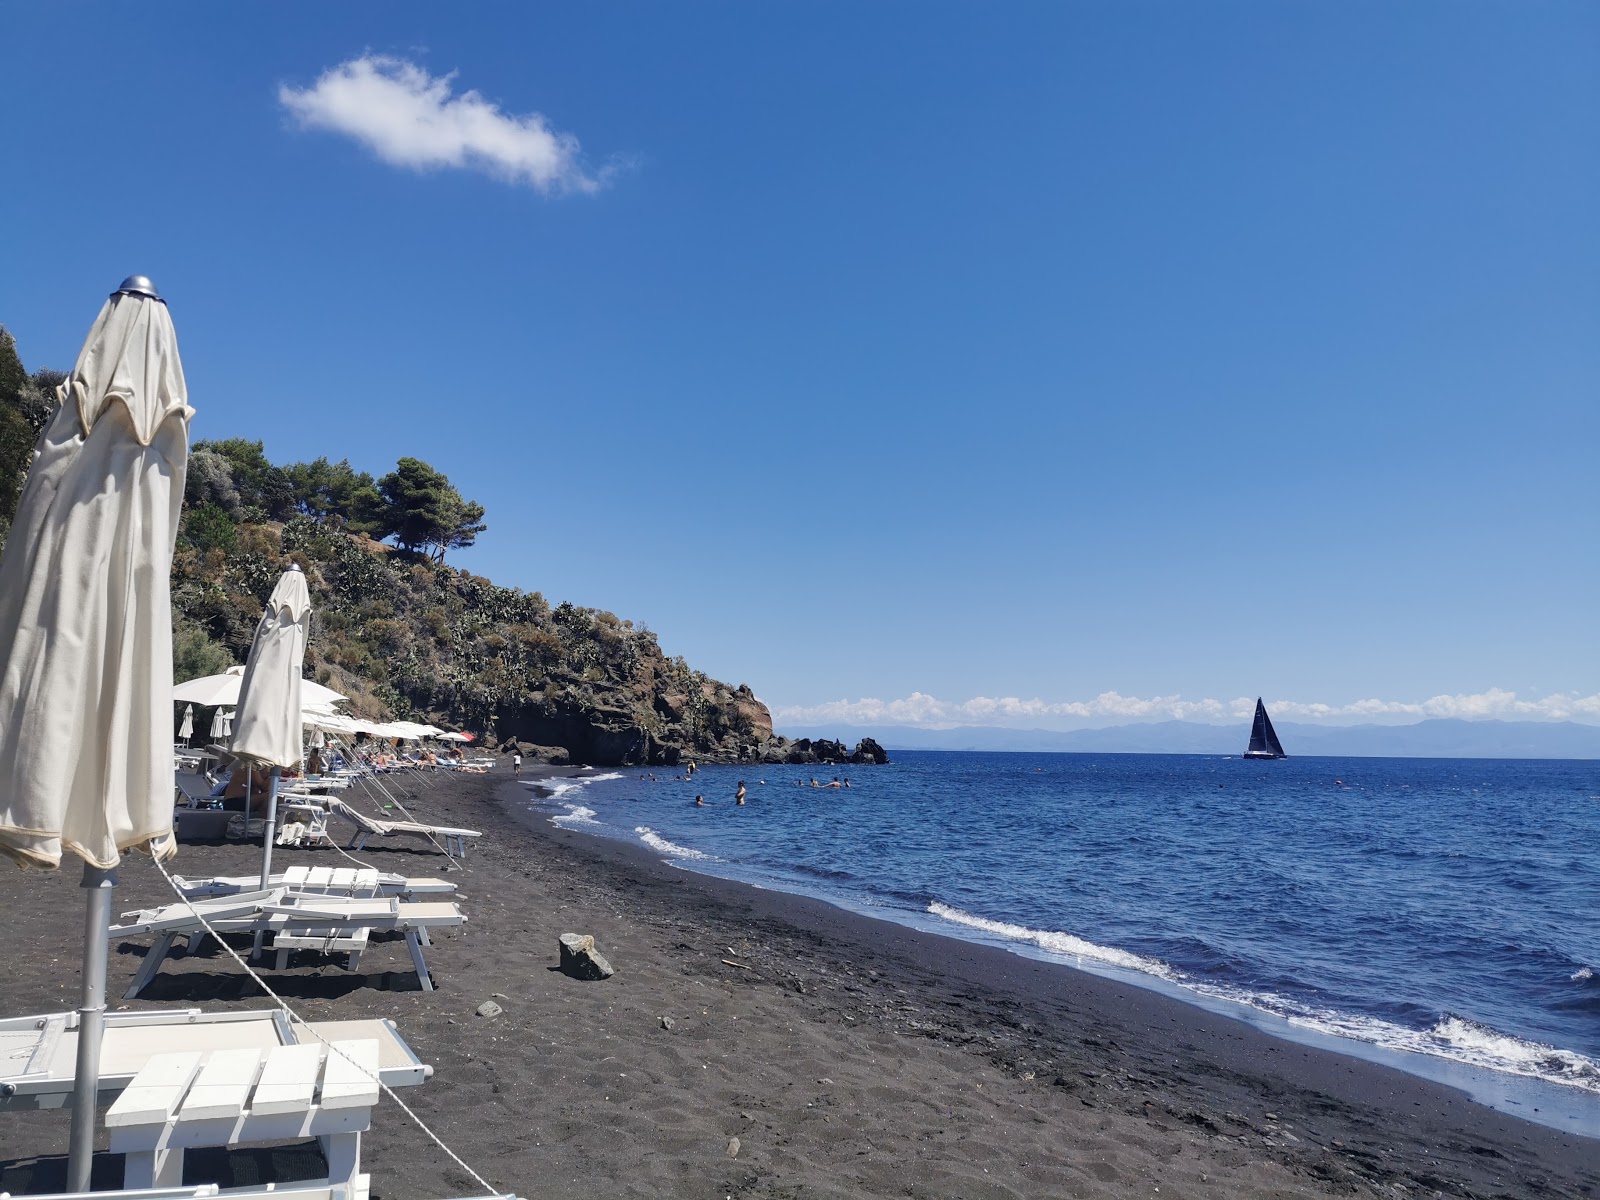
<point>1041,363</point>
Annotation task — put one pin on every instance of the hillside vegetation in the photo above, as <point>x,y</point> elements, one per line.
<point>398,630</point>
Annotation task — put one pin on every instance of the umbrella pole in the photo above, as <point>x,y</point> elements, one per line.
<point>91,1024</point>
<point>266,850</point>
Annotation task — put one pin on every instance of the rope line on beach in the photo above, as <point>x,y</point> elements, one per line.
<point>283,1006</point>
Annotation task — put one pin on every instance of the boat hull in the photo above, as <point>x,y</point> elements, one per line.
<point>1262,754</point>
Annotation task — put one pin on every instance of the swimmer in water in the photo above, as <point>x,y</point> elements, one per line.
<point>699,801</point>
<point>738,797</point>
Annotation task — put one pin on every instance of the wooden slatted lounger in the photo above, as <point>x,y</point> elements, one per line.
<point>307,921</point>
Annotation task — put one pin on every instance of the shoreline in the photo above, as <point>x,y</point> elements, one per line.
<point>1569,1109</point>
<point>759,1043</point>
<point>1239,1040</point>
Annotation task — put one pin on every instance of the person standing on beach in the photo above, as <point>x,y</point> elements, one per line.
<point>738,797</point>
<point>516,763</point>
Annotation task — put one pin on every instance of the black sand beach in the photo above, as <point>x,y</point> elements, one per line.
<point>754,1043</point>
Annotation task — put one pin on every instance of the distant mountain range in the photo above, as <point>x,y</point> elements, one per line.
<point>1425,739</point>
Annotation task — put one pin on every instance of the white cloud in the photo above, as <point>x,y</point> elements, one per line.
<point>410,118</point>
<point>920,709</point>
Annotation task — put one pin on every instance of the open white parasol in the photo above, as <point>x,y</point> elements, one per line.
<point>224,689</point>
<point>267,723</point>
<point>86,635</point>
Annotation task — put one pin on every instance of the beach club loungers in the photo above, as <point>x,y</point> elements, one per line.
<point>328,881</point>
<point>453,840</point>
<point>297,921</point>
<point>178,1080</point>
<point>191,1098</point>
<point>38,1053</point>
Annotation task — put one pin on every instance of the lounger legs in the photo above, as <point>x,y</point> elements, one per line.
<point>415,946</point>
<point>343,1152</point>
<point>147,972</point>
<point>152,1169</point>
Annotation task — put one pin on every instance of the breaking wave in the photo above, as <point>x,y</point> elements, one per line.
<point>1454,1038</point>
<point>671,849</point>
<point>1065,944</point>
<point>557,788</point>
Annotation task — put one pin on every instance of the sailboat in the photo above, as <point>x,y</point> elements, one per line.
<point>1264,741</point>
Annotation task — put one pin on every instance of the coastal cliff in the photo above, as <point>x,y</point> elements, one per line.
<point>398,631</point>
<point>405,636</point>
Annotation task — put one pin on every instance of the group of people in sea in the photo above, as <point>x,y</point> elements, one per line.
<point>740,794</point>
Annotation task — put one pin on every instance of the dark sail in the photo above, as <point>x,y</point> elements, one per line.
<point>1263,738</point>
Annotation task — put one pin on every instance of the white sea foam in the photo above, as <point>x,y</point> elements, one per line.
<point>1581,974</point>
<point>1057,943</point>
<point>1452,1038</point>
<point>565,787</point>
<point>671,849</point>
<point>576,814</point>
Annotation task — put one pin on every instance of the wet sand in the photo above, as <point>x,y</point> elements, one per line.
<point>844,1056</point>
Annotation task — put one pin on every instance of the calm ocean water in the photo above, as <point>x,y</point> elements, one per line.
<point>1445,907</point>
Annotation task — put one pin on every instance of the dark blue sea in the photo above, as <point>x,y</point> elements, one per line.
<point>1442,908</point>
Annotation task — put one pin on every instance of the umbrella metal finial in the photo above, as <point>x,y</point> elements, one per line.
<point>138,285</point>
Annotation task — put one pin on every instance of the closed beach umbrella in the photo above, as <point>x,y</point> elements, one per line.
<point>216,724</point>
<point>267,723</point>
<point>227,724</point>
<point>86,635</point>
<point>186,730</point>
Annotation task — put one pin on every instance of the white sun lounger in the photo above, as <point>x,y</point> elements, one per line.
<point>38,1054</point>
<point>193,1098</point>
<point>454,840</point>
<point>178,1080</point>
<point>338,881</point>
<point>308,1190</point>
<point>298,920</point>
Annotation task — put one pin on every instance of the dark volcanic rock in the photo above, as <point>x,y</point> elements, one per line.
<point>868,751</point>
<point>805,752</point>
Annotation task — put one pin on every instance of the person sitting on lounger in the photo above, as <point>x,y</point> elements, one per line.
<point>260,781</point>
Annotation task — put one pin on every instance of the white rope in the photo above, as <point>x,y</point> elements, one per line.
<point>283,1006</point>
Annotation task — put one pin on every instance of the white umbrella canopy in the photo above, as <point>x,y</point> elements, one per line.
<point>268,720</point>
<point>219,721</point>
<point>224,689</point>
<point>86,636</point>
<point>85,605</point>
<point>186,730</point>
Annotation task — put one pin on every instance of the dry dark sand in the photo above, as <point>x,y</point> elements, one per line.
<point>845,1056</point>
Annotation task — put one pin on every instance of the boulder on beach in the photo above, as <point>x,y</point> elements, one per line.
<point>581,960</point>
